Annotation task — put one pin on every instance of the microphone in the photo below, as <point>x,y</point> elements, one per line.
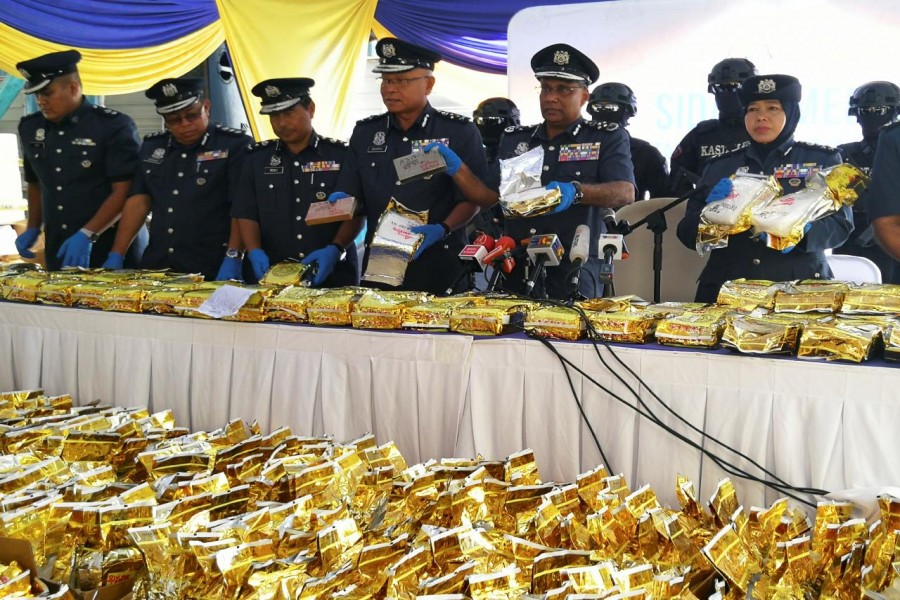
<point>608,216</point>
<point>578,254</point>
<point>474,255</point>
<point>503,245</point>
<point>543,250</point>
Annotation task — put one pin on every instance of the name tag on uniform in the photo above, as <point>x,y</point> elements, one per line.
<point>273,170</point>
<point>212,155</point>
<point>579,152</point>
<point>419,145</point>
<point>83,142</point>
<point>321,166</point>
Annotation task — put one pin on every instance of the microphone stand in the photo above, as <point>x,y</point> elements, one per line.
<point>605,277</point>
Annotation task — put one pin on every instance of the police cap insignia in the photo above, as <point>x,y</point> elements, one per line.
<point>562,61</point>
<point>169,90</point>
<point>398,56</point>
<point>282,93</point>
<point>389,51</point>
<point>770,87</point>
<point>766,86</point>
<point>272,91</point>
<point>561,57</point>
<point>172,95</point>
<point>40,71</point>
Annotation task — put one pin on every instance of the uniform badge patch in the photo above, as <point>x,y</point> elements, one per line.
<point>83,142</point>
<point>561,57</point>
<point>743,169</point>
<point>201,181</point>
<point>272,91</point>
<point>766,86</point>
<point>169,90</point>
<point>379,138</point>
<point>388,51</point>
<point>522,148</point>
<point>158,154</point>
<point>794,182</point>
<point>579,152</point>
<point>275,161</point>
<point>212,155</point>
<point>39,135</point>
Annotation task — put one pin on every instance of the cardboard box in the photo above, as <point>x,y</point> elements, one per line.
<point>329,212</point>
<point>12,549</point>
<point>419,165</point>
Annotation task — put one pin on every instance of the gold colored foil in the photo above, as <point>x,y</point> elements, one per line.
<point>290,304</point>
<point>731,215</point>
<point>284,274</point>
<point>487,320</point>
<point>833,339</point>
<point>393,245</point>
<point>760,336</point>
<point>334,306</point>
<point>634,326</point>
<point>700,329</point>
<point>384,310</point>
<point>811,296</point>
<point>747,295</point>
<point>872,299</point>
<point>530,203</point>
<point>555,322</point>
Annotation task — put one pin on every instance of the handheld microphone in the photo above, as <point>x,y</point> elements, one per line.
<point>612,227</point>
<point>578,254</point>
<point>503,245</point>
<point>474,255</point>
<point>543,250</point>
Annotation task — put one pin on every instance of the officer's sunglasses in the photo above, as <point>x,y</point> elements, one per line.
<point>731,86</point>
<point>186,117</point>
<point>873,110</point>
<point>488,120</point>
<point>563,91</point>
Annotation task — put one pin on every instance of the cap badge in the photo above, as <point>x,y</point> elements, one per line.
<point>169,90</point>
<point>561,57</point>
<point>272,91</point>
<point>388,51</point>
<point>39,135</point>
<point>378,140</point>
<point>766,86</point>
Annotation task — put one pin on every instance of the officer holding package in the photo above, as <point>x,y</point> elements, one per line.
<point>282,177</point>
<point>616,103</point>
<point>875,105</point>
<point>411,125</point>
<point>184,176</point>
<point>589,161</point>
<point>713,137</point>
<point>79,160</point>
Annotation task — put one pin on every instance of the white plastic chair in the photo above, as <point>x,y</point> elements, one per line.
<point>857,269</point>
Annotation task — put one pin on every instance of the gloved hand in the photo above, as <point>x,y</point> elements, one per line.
<point>454,162</point>
<point>230,269</point>
<point>327,259</point>
<point>259,260</point>
<point>114,261</point>
<point>25,241</point>
<point>568,194</point>
<point>335,196</point>
<point>721,190</point>
<point>431,235</point>
<point>76,251</point>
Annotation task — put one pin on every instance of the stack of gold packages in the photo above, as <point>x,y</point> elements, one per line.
<point>384,309</point>
<point>626,319</point>
<point>23,286</point>
<point>892,341</point>
<point>747,295</point>
<point>335,306</point>
<point>811,296</point>
<point>496,316</point>
<point>785,218</point>
<point>700,328</point>
<point>731,215</point>
<point>434,315</point>
<point>290,304</point>
<point>835,338</point>
<point>760,332</point>
<point>872,299</point>
<point>557,322</point>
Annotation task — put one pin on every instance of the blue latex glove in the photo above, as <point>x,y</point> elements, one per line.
<point>114,261</point>
<point>230,269</point>
<point>568,194</point>
<point>335,196</point>
<point>25,241</point>
<point>721,190</point>
<point>76,251</point>
<point>454,162</point>
<point>259,260</point>
<point>431,235</point>
<point>327,259</point>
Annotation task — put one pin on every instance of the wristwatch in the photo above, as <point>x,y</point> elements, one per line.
<point>579,193</point>
<point>234,253</point>
<point>91,235</point>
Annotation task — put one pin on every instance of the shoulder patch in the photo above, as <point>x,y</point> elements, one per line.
<point>332,141</point>
<point>156,134</point>
<point>453,116</point>
<point>829,149</point>
<point>521,128</point>
<point>230,130</point>
<point>106,112</point>
<point>602,125</point>
<point>373,118</point>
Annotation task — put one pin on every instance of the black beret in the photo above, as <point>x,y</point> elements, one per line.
<point>172,95</point>
<point>42,70</point>
<point>562,61</point>
<point>397,56</point>
<point>769,87</point>
<point>282,93</point>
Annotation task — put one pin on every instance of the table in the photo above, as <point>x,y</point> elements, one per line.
<point>830,425</point>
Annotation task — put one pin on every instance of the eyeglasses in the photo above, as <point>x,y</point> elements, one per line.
<point>399,83</point>
<point>873,110</point>
<point>188,117</point>
<point>606,107</point>
<point>731,86</point>
<point>563,91</point>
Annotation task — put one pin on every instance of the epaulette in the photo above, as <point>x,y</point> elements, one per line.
<point>332,141</point>
<point>520,128</point>
<point>230,130</point>
<point>453,116</point>
<point>156,134</point>
<point>259,145</point>
<point>33,115</point>
<point>707,125</point>
<point>372,118</point>
<point>602,125</point>
<point>106,112</point>
<point>829,149</point>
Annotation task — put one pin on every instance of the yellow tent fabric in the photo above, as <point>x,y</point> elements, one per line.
<point>322,39</point>
<point>118,71</point>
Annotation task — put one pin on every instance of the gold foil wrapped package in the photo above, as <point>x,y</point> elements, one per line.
<point>57,291</point>
<point>748,294</point>
<point>24,287</point>
<point>634,326</point>
<point>125,298</point>
<point>384,310</point>
<point>164,299</point>
<point>731,215</point>
<point>290,304</point>
<point>334,306</point>
<point>700,329</point>
<point>495,318</point>
<point>547,571</point>
<point>505,584</point>
<point>530,203</point>
<point>872,299</point>
<point>284,274</point>
<point>521,192</point>
<point>434,315</point>
<point>892,341</point>
<point>834,339</point>
<point>811,295</point>
<point>393,244</point>
<point>755,335</point>
<point>555,322</point>
<point>728,554</point>
<point>254,309</point>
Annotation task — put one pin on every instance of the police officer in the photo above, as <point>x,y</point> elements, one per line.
<point>79,160</point>
<point>281,178</point>
<point>410,125</point>
<point>492,117</point>
<point>615,103</point>
<point>874,104</point>
<point>184,176</point>
<point>883,194</point>
<point>713,137</point>
<point>772,114</point>
<point>589,161</point>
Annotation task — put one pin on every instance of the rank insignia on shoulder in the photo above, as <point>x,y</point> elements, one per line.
<point>373,118</point>
<point>156,134</point>
<point>453,116</point>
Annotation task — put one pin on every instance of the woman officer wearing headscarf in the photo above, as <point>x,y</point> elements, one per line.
<point>771,116</point>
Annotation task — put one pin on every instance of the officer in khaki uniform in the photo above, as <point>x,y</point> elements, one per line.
<point>184,176</point>
<point>79,160</point>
